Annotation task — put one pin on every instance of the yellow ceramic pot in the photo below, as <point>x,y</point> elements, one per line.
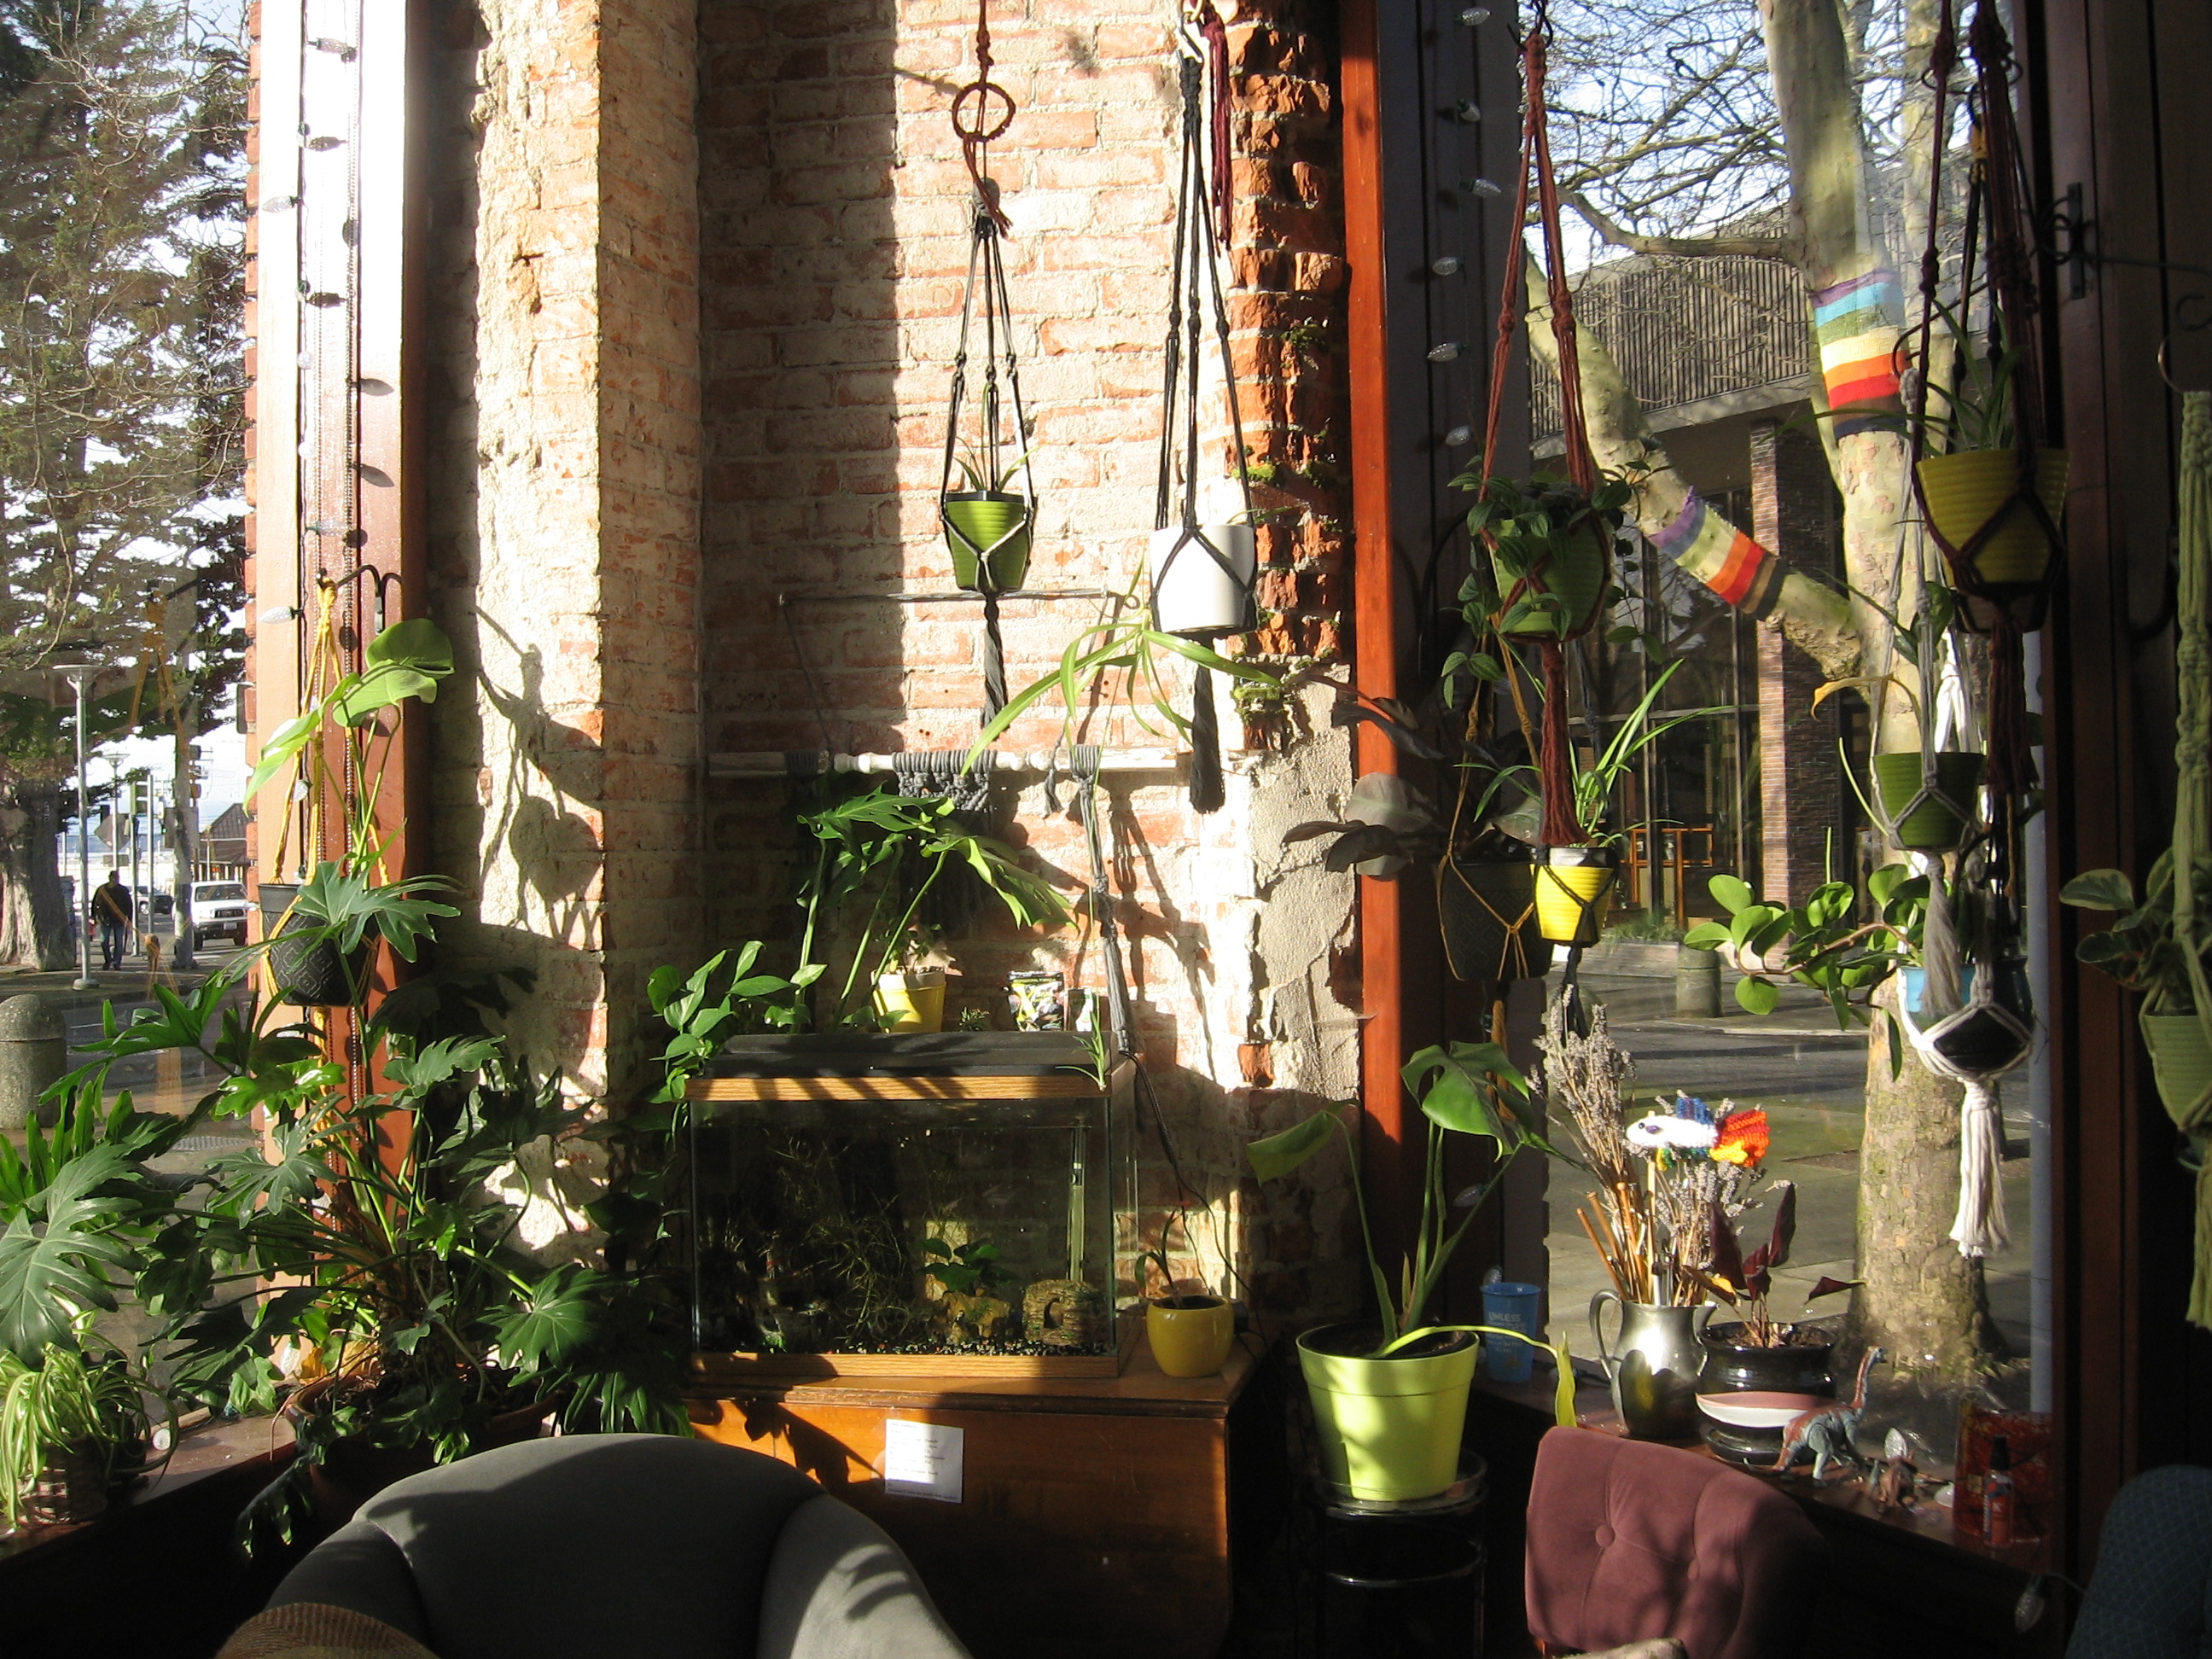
<point>1190,1341</point>
<point>1574,892</point>
<point>912,1001</point>
<point>1964,491</point>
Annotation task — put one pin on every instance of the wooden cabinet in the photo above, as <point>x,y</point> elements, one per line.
<point>1093,1515</point>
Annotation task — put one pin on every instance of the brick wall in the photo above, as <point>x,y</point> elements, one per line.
<point>835,226</point>
<point>561,503</point>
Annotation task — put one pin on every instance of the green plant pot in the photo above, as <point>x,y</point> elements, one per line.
<point>1388,1428</point>
<point>2180,1058</point>
<point>1487,913</point>
<point>988,532</point>
<point>1964,491</point>
<point>1932,826</point>
<point>1575,576</point>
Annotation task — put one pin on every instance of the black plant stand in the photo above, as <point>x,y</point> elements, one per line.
<point>1394,1581</point>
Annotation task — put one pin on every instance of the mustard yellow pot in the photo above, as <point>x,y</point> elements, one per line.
<point>1193,1337</point>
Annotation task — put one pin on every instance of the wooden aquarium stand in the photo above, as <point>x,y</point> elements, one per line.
<point>1092,1519</point>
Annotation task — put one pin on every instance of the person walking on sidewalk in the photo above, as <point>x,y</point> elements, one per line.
<point>110,908</point>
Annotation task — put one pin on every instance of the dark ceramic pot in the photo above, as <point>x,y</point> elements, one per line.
<point>311,971</point>
<point>1805,1365</point>
<point>1487,912</point>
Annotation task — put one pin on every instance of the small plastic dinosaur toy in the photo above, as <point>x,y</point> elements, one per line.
<point>1827,1433</point>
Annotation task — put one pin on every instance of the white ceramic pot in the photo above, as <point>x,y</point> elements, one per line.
<point>1191,591</point>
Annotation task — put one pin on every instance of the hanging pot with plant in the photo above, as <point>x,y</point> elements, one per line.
<point>1573,887</point>
<point>1487,910</point>
<point>1201,577</point>
<point>987,527</point>
<point>1974,499</point>
<point>1930,807</point>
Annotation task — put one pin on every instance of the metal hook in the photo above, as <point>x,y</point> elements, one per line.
<point>2181,326</point>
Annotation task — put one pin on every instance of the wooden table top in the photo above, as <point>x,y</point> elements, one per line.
<point>1142,1390</point>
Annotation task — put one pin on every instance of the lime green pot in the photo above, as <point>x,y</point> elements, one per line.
<point>1388,1428</point>
<point>988,533</point>
<point>1932,826</point>
<point>2180,1059</point>
<point>1191,1336</point>
<point>1965,491</point>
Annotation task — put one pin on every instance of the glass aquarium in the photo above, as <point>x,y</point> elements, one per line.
<point>871,1201</point>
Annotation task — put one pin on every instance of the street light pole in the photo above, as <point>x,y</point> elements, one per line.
<point>85,981</point>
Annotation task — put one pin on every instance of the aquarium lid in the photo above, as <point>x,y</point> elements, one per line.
<point>885,1054</point>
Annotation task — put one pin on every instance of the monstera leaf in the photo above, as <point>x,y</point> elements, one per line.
<point>61,1253</point>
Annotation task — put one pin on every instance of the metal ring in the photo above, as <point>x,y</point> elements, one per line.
<point>981,92</point>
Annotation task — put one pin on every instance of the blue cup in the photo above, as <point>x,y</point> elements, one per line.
<point>1511,1307</point>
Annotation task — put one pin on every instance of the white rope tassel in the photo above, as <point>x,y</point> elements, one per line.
<point>1980,1229</point>
<point>1941,992</point>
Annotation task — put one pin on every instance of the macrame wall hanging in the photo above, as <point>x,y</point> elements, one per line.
<point>1202,571</point>
<point>1581,592</point>
<point>988,526</point>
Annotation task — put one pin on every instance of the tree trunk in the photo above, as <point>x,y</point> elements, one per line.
<point>1922,1300</point>
<point>34,913</point>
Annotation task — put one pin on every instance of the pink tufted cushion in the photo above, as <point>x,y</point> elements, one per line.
<point>1628,1540</point>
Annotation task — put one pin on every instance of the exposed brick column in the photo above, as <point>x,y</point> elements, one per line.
<point>1800,787</point>
<point>563,506</point>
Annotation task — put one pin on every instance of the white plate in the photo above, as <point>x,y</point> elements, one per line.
<point>1757,1410</point>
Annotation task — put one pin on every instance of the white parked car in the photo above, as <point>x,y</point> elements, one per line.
<point>219,910</point>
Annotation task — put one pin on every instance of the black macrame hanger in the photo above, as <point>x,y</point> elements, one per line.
<point>982,111</point>
<point>1195,291</point>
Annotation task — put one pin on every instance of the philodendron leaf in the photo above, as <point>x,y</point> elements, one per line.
<point>2099,889</point>
<point>407,659</point>
<point>1279,1154</point>
<point>1757,996</point>
<point>1457,1088</point>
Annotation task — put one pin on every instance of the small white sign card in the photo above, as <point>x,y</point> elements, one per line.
<point>922,1459</point>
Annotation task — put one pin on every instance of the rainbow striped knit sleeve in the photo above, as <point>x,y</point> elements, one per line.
<point>1858,323</point>
<point>1711,549</point>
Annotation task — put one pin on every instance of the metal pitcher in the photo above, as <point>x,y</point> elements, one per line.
<point>1652,1365</point>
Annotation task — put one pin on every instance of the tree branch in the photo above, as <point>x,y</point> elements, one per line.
<point>1785,249</point>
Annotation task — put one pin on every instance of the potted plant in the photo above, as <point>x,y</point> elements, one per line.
<point>79,1207</point>
<point>1550,548</point>
<point>1575,884</point>
<point>2145,951</point>
<point>1201,577</point>
<point>879,858</point>
<point>988,526</point>
<point>319,946</point>
<point>910,997</point>
<point>1823,943</point>
<point>372,1276</point>
<point>1190,1332</point>
<point>1969,485</point>
<point>1389,1394</point>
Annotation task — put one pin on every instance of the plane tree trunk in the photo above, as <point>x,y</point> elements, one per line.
<point>35,912</point>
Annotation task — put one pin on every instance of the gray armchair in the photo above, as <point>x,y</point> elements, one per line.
<point>592,1545</point>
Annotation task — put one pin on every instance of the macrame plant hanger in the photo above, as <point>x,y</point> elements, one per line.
<point>1555,764</point>
<point>1994,1032</point>
<point>1194,292</point>
<point>982,111</point>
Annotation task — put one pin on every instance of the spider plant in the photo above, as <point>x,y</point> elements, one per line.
<point>67,1404</point>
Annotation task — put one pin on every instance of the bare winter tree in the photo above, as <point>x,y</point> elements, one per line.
<point>1678,122</point>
